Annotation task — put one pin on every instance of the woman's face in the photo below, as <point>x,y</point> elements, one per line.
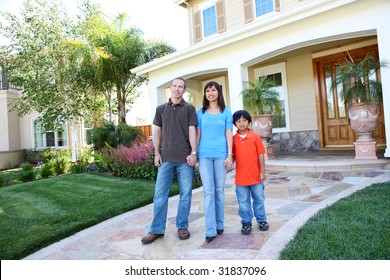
<point>211,94</point>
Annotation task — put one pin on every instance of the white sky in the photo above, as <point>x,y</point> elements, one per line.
<point>158,19</point>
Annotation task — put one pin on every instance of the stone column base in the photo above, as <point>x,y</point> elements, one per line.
<point>365,150</point>
<point>269,151</point>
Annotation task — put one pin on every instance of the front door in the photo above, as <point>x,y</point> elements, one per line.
<point>334,128</point>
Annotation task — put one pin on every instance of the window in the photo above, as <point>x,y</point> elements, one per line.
<point>209,19</point>
<point>277,73</point>
<point>87,133</point>
<point>49,138</point>
<point>263,7</point>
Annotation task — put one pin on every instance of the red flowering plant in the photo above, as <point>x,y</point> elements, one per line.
<point>135,161</point>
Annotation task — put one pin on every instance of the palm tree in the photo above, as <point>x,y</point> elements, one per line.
<point>261,97</point>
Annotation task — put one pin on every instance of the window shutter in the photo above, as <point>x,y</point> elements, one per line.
<point>197,27</point>
<point>221,21</point>
<point>277,5</point>
<point>248,11</point>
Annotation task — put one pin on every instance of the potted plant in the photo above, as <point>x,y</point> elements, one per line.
<point>261,100</point>
<point>358,88</point>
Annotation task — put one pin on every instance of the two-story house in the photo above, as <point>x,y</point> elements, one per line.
<point>298,43</point>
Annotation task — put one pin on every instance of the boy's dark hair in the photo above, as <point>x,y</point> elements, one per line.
<point>241,113</point>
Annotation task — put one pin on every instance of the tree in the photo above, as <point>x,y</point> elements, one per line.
<point>122,49</point>
<point>41,60</point>
<point>64,66</point>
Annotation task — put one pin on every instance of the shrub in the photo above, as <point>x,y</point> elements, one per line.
<point>27,173</point>
<point>47,170</point>
<point>77,167</point>
<point>61,164</point>
<point>2,183</point>
<point>114,136</point>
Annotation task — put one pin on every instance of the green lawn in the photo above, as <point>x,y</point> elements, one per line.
<point>36,214</point>
<point>354,228</point>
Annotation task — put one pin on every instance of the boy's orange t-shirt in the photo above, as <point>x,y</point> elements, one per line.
<point>246,152</point>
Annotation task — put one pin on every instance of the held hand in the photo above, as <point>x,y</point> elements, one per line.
<point>229,162</point>
<point>157,160</point>
<point>191,160</point>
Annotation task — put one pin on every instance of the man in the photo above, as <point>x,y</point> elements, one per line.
<point>175,128</point>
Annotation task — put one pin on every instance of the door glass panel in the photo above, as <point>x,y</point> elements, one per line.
<point>329,93</point>
<point>340,103</point>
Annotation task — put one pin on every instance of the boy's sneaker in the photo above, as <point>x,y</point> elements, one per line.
<point>246,228</point>
<point>263,226</point>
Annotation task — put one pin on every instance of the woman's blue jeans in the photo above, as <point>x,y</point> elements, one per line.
<point>165,176</point>
<point>244,194</point>
<point>213,174</point>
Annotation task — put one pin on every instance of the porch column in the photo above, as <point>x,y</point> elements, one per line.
<point>237,74</point>
<point>383,33</point>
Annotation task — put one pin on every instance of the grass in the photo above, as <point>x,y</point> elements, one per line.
<point>354,228</point>
<point>36,214</point>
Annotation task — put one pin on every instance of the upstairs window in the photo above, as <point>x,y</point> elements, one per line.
<point>258,8</point>
<point>209,19</point>
<point>263,7</point>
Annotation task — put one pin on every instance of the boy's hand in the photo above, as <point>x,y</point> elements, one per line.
<point>229,161</point>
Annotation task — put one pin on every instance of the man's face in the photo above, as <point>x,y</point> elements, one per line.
<point>177,89</point>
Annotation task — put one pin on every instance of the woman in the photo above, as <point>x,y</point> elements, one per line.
<point>214,138</point>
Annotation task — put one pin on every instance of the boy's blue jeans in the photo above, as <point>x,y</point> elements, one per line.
<point>244,195</point>
<point>165,176</point>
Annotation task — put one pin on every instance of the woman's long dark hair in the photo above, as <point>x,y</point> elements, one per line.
<point>221,100</point>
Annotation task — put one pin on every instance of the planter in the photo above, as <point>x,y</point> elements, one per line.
<point>364,119</point>
<point>262,126</point>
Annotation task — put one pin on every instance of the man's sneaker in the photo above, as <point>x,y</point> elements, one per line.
<point>183,233</point>
<point>263,226</point>
<point>246,228</point>
<point>150,237</point>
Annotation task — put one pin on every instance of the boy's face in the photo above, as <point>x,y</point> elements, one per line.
<point>242,124</point>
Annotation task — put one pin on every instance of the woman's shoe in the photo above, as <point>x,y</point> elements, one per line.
<point>209,239</point>
<point>220,231</point>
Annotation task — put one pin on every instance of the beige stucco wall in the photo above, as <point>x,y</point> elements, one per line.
<point>9,124</point>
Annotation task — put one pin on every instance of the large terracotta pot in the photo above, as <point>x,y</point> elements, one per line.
<point>262,126</point>
<point>364,119</point>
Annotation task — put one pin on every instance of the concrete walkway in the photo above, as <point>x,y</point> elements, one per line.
<point>296,188</point>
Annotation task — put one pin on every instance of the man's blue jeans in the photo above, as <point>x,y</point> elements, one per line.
<point>213,174</point>
<point>244,194</point>
<point>165,176</point>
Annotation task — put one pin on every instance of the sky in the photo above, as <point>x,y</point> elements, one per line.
<point>158,19</point>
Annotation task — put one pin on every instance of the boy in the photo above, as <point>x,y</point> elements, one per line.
<point>248,151</point>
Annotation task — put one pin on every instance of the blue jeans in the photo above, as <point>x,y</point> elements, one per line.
<point>213,174</point>
<point>165,176</point>
<point>244,194</point>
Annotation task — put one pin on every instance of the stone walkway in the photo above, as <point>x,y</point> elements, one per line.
<point>292,197</point>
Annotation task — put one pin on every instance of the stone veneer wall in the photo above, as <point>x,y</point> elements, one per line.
<point>296,141</point>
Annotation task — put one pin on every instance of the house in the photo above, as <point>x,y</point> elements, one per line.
<point>20,134</point>
<point>298,44</point>
<point>25,133</point>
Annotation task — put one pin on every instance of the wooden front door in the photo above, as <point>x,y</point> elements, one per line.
<point>334,128</point>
